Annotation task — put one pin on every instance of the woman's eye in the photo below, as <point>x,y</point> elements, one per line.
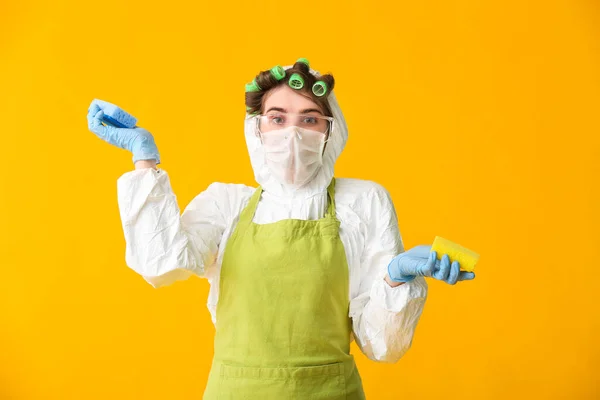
<point>310,120</point>
<point>277,120</point>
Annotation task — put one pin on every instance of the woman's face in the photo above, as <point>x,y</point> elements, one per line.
<point>284,106</point>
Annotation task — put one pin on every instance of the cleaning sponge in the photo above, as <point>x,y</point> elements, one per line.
<point>467,258</point>
<point>115,116</point>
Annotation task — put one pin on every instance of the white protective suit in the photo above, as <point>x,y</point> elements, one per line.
<point>164,246</point>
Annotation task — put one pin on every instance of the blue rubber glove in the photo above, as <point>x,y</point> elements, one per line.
<point>137,140</point>
<point>421,261</point>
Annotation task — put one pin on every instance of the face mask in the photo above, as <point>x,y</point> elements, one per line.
<point>293,155</point>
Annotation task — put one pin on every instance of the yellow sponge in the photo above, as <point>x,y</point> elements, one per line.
<point>467,258</point>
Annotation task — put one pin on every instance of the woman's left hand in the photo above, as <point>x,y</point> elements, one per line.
<point>421,261</point>
<point>449,272</point>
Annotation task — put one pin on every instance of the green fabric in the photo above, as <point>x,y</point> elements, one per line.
<point>283,330</point>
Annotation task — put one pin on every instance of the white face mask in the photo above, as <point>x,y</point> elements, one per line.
<point>293,155</point>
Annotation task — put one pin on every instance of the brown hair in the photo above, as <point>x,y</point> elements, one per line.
<point>266,81</point>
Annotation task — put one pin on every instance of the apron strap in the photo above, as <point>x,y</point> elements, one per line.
<point>248,212</point>
<point>331,205</point>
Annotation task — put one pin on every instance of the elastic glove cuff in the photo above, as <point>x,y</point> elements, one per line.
<point>146,156</point>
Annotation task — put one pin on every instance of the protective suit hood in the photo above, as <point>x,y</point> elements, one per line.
<point>335,144</point>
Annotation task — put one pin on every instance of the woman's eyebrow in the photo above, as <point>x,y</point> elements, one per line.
<point>305,111</point>
<point>310,110</point>
<point>283,110</point>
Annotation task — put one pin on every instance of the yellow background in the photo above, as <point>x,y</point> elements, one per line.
<point>480,118</point>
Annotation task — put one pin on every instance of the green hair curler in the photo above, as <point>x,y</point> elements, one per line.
<point>252,86</point>
<point>304,61</point>
<point>296,81</point>
<point>319,88</point>
<point>278,72</point>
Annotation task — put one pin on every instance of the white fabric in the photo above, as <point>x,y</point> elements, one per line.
<point>164,246</point>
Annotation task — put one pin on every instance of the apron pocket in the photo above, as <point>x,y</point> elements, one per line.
<point>320,382</point>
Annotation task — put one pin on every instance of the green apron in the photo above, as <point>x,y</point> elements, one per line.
<point>283,330</point>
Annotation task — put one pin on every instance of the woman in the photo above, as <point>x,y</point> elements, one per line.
<point>298,267</point>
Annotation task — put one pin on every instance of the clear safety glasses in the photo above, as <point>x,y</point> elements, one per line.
<point>278,120</point>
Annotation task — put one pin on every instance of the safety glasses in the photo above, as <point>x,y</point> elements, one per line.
<point>278,120</point>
